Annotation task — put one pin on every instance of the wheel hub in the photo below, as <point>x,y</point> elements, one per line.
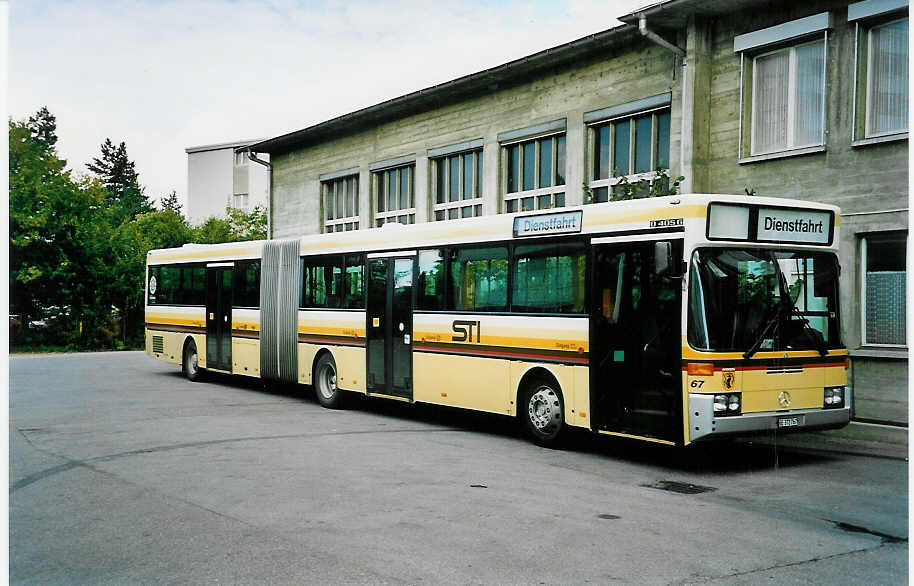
<point>544,409</point>
<point>328,382</point>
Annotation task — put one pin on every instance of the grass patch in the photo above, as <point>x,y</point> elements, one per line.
<point>39,348</point>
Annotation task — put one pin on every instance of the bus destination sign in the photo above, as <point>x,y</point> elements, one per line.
<point>786,225</point>
<point>548,224</point>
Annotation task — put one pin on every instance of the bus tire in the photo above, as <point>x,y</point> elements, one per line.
<point>189,365</point>
<point>542,410</point>
<point>325,377</point>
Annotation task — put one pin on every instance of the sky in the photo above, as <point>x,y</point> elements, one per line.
<point>166,75</point>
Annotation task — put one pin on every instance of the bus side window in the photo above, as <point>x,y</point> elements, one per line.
<point>479,279</point>
<point>353,294</point>
<point>169,285</point>
<point>612,276</point>
<point>323,282</point>
<point>305,297</point>
<point>198,287</point>
<point>549,278</point>
<point>247,284</point>
<point>431,280</point>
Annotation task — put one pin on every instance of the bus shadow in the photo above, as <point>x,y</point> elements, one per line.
<point>452,417</point>
<point>719,457</point>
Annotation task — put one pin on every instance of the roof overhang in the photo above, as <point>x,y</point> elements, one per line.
<point>674,14</point>
<point>222,145</point>
<point>452,91</point>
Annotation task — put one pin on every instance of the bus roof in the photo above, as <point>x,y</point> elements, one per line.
<point>602,218</point>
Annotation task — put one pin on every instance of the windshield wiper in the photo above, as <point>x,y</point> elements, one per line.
<point>812,333</point>
<point>792,310</point>
<point>761,337</point>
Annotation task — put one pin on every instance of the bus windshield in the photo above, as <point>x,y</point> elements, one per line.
<point>754,299</point>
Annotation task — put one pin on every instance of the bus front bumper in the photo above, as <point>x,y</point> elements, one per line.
<point>704,425</point>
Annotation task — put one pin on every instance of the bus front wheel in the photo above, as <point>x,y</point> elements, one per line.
<point>328,394</point>
<point>189,365</point>
<point>543,413</point>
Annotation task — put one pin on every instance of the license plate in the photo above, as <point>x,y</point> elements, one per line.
<point>788,421</point>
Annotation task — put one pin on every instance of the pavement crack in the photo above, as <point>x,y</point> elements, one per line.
<point>706,579</point>
<point>886,538</point>
<point>72,463</point>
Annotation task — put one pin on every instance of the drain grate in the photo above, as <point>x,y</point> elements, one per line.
<point>680,487</point>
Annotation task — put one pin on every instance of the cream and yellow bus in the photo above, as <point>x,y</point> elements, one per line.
<point>670,320</point>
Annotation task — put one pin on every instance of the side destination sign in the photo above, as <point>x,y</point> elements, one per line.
<point>784,225</point>
<point>546,224</point>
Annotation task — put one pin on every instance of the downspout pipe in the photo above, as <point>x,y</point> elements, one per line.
<point>657,39</point>
<point>253,157</point>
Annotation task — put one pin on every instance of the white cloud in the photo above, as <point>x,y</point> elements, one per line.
<point>163,76</point>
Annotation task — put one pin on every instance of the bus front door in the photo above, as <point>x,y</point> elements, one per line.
<point>219,316</point>
<point>635,338</point>
<point>390,326</point>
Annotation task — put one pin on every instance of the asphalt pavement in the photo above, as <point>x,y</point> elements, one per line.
<point>122,472</point>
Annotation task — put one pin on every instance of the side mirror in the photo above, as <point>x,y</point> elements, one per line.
<point>663,257</point>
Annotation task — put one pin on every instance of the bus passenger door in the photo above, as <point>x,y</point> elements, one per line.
<point>219,316</point>
<point>636,343</point>
<point>390,326</point>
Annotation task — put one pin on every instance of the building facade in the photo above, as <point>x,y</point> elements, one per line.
<point>220,176</point>
<point>802,100</point>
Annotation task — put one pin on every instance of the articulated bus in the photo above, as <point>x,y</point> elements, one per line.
<point>671,320</point>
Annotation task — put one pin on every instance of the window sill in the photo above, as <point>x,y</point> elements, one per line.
<point>782,154</point>
<point>878,352</point>
<point>880,139</point>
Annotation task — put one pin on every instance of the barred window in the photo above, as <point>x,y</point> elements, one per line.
<point>633,148</point>
<point>341,204</point>
<point>458,185</point>
<point>535,174</point>
<point>395,195</point>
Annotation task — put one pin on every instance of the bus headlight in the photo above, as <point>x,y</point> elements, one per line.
<point>727,404</point>
<point>834,397</point>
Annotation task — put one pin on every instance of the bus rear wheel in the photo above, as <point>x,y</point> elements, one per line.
<point>189,365</point>
<point>543,413</point>
<point>328,394</point>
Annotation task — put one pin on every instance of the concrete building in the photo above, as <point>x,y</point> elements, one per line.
<point>220,175</point>
<point>804,100</point>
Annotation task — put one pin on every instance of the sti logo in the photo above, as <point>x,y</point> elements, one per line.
<point>463,330</point>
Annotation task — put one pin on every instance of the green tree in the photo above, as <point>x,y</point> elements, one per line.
<point>248,225</point>
<point>43,126</point>
<point>59,235</point>
<point>126,197</point>
<point>170,202</point>
<point>237,226</point>
<point>214,230</point>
